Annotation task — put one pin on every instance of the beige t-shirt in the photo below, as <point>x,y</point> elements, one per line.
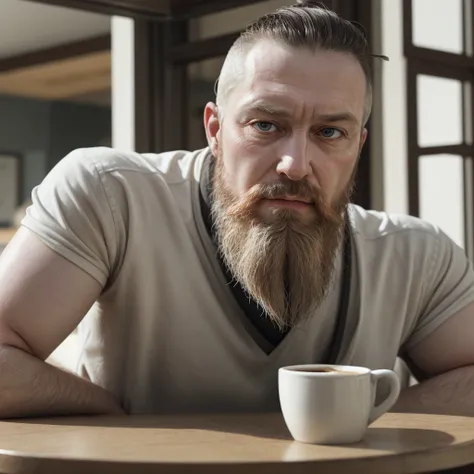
<point>166,335</point>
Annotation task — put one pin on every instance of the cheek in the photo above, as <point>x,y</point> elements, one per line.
<point>245,163</point>
<point>346,166</point>
<point>335,172</point>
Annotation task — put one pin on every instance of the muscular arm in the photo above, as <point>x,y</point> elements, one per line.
<point>42,299</point>
<point>445,362</point>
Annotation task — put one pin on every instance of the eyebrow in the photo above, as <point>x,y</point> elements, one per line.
<point>340,117</point>
<point>276,111</point>
<point>269,109</point>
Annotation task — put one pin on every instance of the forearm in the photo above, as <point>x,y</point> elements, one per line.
<point>451,393</point>
<point>30,387</point>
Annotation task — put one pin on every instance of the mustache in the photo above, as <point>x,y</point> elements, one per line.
<point>301,190</point>
<point>298,190</point>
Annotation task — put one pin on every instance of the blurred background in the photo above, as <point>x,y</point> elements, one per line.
<point>136,74</point>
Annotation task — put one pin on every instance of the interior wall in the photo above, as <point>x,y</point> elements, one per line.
<point>43,132</point>
<point>24,129</point>
<point>123,83</point>
<point>77,126</point>
<point>394,152</point>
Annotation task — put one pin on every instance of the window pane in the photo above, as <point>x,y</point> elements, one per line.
<point>442,193</point>
<point>202,77</point>
<point>229,21</point>
<point>438,24</point>
<point>439,111</point>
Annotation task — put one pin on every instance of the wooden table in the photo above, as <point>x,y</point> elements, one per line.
<point>248,444</point>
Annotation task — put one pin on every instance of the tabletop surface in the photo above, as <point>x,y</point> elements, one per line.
<point>258,443</point>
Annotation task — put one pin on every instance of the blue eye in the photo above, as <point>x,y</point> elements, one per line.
<point>264,127</point>
<point>330,132</point>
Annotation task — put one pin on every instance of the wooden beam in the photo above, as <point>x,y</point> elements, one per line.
<point>86,74</point>
<point>143,9</point>
<point>462,149</point>
<point>56,53</point>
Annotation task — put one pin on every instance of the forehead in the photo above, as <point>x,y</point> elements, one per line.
<point>327,82</point>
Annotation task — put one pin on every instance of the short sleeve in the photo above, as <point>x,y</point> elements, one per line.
<point>448,287</point>
<point>72,214</point>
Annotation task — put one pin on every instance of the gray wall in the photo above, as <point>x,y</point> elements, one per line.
<point>43,132</point>
<point>24,129</point>
<point>76,126</point>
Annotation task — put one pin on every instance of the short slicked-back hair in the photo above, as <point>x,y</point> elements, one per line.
<point>307,26</point>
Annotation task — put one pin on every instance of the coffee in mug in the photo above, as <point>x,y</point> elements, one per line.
<point>332,404</point>
<point>327,370</point>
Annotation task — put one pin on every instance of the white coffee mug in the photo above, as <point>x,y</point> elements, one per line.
<point>332,404</point>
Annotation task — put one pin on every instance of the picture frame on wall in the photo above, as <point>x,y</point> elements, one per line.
<point>10,186</point>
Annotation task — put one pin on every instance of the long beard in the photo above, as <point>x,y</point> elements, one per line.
<point>286,262</point>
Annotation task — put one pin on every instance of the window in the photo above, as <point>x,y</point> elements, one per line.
<point>440,72</point>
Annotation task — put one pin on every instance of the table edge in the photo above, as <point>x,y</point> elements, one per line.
<point>13,462</point>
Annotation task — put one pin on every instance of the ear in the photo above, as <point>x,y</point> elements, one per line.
<point>363,138</point>
<point>212,126</point>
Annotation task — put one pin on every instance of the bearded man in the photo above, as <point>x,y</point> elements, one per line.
<point>194,276</point>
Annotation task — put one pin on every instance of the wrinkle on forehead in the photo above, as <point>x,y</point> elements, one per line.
<point>320,82</point>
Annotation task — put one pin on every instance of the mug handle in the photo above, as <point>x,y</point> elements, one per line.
<point>394,383</point>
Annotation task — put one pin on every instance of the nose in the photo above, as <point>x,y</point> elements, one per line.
<point>294,161</point>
